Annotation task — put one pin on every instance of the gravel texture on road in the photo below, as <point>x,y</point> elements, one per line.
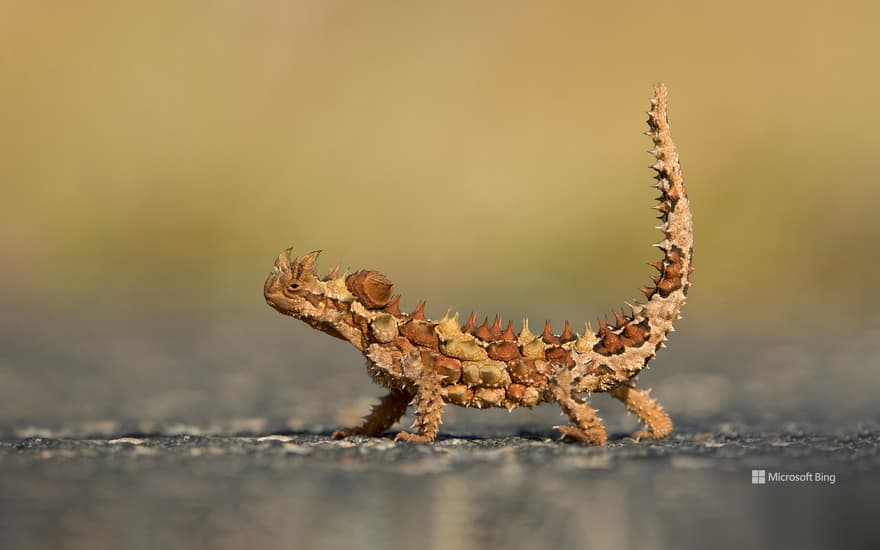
<point>305,490</point>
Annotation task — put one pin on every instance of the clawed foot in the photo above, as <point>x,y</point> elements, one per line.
<point>643,434</point>
<point>413,438</point>
<point>595,436</point>
<point>342,433</point>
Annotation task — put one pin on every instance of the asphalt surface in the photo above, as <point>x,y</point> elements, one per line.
<point>304,490</point>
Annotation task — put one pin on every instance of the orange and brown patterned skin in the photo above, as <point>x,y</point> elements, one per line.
<point>429,363</point>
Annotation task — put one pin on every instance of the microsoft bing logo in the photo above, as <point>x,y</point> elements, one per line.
<point>762,477</point>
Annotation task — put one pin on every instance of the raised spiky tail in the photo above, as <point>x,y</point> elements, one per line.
<point>618,351</point>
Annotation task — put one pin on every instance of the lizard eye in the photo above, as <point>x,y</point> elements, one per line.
<point>293,286</point>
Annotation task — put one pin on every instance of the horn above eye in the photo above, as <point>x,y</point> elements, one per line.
<point>306,264</point>
<point>283,260</point>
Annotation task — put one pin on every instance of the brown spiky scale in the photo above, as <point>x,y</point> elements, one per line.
<point>508,334</point>
<point>419,313</point>
<point>567,335</point>
<point>631,336</point>
<point>610,344</point>
<point>482,331</point>
<point>503,350</point>
<point>548,337</point>
<point>495,330</point>
<point>394,307</point>
<point>431,363</point>
<point>371,287</point>
<point>470,325</point>
<point>421,333</point>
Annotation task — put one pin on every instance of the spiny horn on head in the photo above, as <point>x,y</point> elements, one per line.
<point>282,263</point>
<point>307,264</point>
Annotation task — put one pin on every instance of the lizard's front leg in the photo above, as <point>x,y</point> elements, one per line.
<point>646,408</point>
<point>428,402</point>
<point>383,415</point>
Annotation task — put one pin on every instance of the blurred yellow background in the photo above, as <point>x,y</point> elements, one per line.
<point>159,154</point>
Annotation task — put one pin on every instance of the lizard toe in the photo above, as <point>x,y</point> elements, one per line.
<point>590,437</point>
<point>408,437</point>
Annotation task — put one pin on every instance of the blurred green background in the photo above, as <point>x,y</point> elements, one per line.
<point>156,156</point>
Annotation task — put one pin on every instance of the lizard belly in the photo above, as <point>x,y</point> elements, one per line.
<point>491,383</point>
<point>511,397</point>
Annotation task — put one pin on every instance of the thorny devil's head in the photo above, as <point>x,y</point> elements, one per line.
<point>294,288</point>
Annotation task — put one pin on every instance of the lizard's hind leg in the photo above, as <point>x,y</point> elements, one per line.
<point>388,411</point>
<point>649,411</point>
<point>588,427</point>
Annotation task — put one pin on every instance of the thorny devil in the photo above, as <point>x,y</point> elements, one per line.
<point>431,362</point>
